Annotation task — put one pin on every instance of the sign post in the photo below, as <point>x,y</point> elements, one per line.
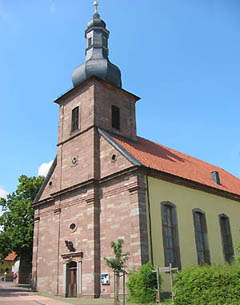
<point>158,285</point>
<point>124,280</point>
<point>169,270</point>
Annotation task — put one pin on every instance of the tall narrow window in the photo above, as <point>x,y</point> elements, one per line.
<point>75,118</point>
<point>104,40</point>
<point>226,238</point>
<point>170,234</point>
<point>201,237</point>
<point>115,117</point>
<point>89,42</point>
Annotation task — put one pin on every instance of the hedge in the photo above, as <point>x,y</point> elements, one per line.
<point>142,285</point>
<point>208,285</point>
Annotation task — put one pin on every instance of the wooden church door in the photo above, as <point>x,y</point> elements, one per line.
<point>72,280</point>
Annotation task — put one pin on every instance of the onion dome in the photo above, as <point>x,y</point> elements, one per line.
<point>96,62</point>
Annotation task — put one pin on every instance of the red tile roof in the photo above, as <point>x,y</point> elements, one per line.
<point>170,161</point>
<point>10,257</point>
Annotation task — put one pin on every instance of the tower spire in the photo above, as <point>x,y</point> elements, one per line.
<point>96,14</point>
<point>96,5</point>
<point>96,62</point>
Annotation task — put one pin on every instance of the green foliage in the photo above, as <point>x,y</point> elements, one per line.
<point>17,221</point>
<point>237,256</point>
<point>208,285</point>
<point>117,263</point>
<point>142,284</point>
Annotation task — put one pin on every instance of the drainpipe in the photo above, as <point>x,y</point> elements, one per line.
<point>149,221</point>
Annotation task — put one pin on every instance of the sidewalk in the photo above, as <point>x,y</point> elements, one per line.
<point>12,294</point>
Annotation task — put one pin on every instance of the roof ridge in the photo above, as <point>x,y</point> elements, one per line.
<point>188,155</point>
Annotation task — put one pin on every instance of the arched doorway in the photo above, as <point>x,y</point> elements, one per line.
<point>72,280</point>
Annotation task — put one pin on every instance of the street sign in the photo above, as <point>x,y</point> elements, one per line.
<point>167,269</point>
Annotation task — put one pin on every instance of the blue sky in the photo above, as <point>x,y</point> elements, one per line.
<point>181,57</point>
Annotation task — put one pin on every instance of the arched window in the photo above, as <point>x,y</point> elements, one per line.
<point>226,237</point>
<point>200,226</point>
<point>170,234</point>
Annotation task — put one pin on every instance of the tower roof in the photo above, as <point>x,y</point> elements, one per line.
<point>96,62</point>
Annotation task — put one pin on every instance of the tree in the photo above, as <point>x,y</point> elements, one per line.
<point>117,264</point>
<point>17,221</point>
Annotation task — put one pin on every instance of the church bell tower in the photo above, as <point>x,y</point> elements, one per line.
<point>76,192</point>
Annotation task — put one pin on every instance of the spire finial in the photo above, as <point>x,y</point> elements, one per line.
<point>96,14</point>
<point>96,5</point>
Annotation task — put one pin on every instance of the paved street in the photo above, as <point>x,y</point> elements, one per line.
<point>10,295</point>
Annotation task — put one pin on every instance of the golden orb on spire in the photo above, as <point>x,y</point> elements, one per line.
<point>95,4</point>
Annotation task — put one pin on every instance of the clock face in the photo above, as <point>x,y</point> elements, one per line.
<point>74,161</point>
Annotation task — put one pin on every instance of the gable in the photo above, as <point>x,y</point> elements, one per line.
<point>49,184</point>
<point>113,158</point>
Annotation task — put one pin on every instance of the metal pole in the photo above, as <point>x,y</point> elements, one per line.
<point>171,279</point>
<point>115,302</point>
<point>158,285</point>
<point>117,290</point>
<point>124,287</point>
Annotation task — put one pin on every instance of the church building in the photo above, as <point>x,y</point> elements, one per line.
<point>106,183</point>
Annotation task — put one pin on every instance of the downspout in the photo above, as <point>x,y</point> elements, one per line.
<point>35,277</point>
<point>59,204</point>
<point>58,249</point>
<point>149,221</point>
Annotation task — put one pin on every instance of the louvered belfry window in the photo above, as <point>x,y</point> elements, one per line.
<point>75,118</point>
<point>170,235</point>
<point>200,225</point>
<point>115,117</point>
<point>226,238</point>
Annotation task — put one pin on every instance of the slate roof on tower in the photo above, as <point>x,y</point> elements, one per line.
<point>97,62</point>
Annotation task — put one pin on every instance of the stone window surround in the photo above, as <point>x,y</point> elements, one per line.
<point>205,245</point>
<point>73,257</point>
<point>228,253</point>
<point>176,237</point>
<point>75,119</point>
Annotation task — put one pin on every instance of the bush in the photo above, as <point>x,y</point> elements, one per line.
<point>237,257</point>
<point>205,285</point>
<point>142,285</point>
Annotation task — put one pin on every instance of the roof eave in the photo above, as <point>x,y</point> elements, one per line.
<point>190,183</point>
<point>60,99</point>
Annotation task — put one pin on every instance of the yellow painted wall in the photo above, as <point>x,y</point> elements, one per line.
<point>186,199</point>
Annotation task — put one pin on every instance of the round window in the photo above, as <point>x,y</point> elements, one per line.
<point>73,227</point>
<point>114,158</point>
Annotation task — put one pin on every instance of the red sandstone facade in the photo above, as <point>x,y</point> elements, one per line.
<point>95,191</point>
<point>103,194</point>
